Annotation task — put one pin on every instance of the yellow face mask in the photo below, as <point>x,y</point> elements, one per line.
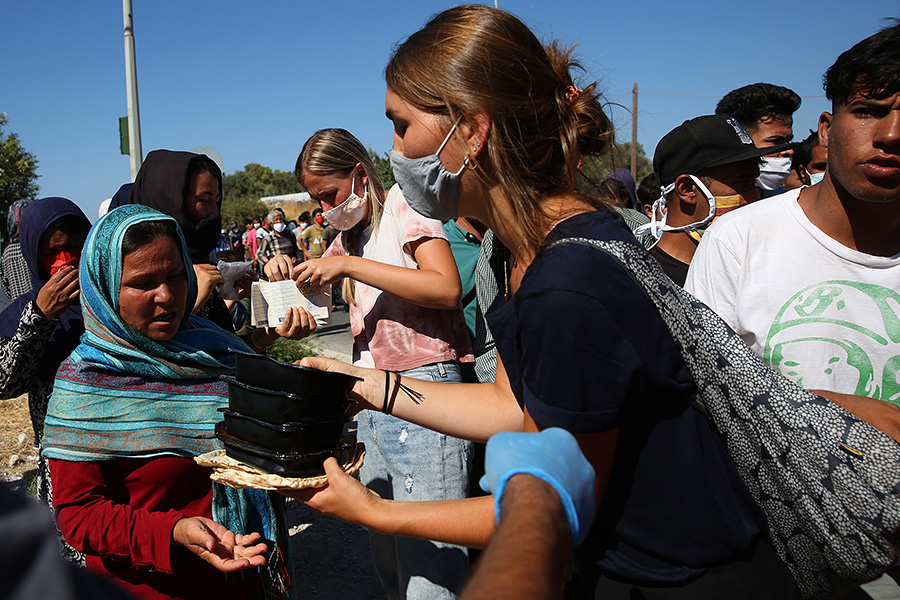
<point>726,204</point>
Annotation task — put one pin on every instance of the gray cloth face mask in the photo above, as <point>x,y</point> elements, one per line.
<point>428,187</point>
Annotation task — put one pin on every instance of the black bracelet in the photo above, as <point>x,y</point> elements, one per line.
<point>385,408</point>
<point>393,399</point>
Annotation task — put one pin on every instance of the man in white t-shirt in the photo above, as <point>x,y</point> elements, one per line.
<point>811,278</point>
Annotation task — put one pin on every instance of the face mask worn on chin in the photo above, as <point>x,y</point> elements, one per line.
<point>53,263</point>
<point>773,172</point>
<point>350,212</point>
<point>725,204</point>
<point>815,178</point>
<point>429,188</point>
<point>657,226</point>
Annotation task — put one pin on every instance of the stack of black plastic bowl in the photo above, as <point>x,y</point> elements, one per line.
<point>282,418</point>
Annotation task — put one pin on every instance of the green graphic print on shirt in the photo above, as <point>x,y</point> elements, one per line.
<point>842,336</point>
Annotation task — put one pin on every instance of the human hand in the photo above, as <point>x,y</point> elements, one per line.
<point>344,497</point>
<point>60,291</point>
<point>368,392</point>
<point>319,272</point>
<point>208,278</point>
<point>218,546</point>
<point>551,455</point>
<point>298,323</point>
<point>279,268</point>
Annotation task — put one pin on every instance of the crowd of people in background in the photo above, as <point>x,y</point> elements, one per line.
<point>495,297</point>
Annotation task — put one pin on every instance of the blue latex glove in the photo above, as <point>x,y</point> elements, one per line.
<point>552,456</point>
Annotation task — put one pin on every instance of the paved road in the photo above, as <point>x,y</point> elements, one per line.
<point>335,341</point>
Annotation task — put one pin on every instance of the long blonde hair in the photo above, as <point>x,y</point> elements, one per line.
<point>336,152</point>
<point>472,58</point>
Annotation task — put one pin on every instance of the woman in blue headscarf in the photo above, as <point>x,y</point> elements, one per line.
<point>132,406</point>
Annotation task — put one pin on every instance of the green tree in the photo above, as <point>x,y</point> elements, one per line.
<point>18,168</point>
<point>597,167</point>
<point>242,209</point>
<point>243,189</point>
<point>383,168</point>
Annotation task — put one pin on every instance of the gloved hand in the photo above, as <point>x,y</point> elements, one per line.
<point>552,456</point>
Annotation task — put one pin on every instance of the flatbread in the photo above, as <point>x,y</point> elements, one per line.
<point>240,475</point>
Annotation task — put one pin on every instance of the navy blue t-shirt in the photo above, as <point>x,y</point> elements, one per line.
<point>586,350</point>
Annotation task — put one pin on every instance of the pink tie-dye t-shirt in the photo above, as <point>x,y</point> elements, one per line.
<point>390,333</point>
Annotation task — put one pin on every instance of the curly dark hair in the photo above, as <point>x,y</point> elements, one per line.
<point>869,68</point>
<point>752,103</point>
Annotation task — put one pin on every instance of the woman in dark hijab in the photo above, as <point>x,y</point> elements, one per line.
<point>187,187</point>
<point>40,328</point>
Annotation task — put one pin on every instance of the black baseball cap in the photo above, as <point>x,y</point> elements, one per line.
<point>707,141</point>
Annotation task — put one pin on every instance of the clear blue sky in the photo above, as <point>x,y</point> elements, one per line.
<point>254,80</point>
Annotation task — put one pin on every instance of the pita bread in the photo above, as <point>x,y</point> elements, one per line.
<point>240,475</point>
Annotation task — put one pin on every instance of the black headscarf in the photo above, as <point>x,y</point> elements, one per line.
<point>36,219</point>
<point>162,183</point>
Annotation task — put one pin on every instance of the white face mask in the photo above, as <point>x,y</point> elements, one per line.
<point>657,226</point>
<point>815,178</point>
<point>349,212</point>
<point>773,172</point>
<point>279,227</point>
<point>256,226</point>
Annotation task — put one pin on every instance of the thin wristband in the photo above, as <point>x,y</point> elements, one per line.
<point>385,408</point>
<point>413,395</point>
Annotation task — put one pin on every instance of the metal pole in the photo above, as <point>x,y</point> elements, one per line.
<point>134,114</point>
<point>634,95</point>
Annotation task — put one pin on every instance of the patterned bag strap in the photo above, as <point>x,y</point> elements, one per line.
<point>828,481</point>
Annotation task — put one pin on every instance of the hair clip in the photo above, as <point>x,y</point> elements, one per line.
<point>573,92</point>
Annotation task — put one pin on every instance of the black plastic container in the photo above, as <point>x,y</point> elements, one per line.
<point>281,407</point>
<point>286,464</point>
<point>286,437</point>
<point>267,373</point>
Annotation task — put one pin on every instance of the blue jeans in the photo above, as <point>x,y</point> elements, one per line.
<point>408,462</point>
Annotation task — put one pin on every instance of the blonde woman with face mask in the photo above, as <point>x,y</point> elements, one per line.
<point>489,123</point>
<point>403,290</point>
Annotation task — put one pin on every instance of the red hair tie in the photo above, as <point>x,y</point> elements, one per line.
<point>573,92</point>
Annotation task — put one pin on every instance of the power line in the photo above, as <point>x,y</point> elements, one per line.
<point>704,95</point>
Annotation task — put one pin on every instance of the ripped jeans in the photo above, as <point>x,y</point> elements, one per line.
<point>408,462</point>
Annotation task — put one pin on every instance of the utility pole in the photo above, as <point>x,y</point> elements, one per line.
<point>134,114</point>
<point>634,95</point>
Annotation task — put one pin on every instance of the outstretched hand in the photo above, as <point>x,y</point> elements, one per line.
<point>369,393</point>
<point>60,291</point>
<point>218,546</point>
<point>344,497</point>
